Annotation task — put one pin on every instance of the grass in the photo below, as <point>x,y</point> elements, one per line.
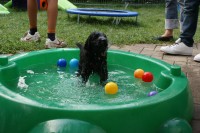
<point>150,24</point>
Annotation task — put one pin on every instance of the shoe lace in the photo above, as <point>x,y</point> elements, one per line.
<point>177,42</point>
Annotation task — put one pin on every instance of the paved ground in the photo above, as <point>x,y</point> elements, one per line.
<point>188,66</point>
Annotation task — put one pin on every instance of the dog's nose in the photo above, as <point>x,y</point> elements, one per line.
<point>102,38</point>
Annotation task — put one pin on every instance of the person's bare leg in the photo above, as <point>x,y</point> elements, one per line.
<point>52,13</point>
<point>32,34</point>
<point>32,8</point>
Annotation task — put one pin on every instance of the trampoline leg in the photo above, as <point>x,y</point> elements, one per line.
<point>78,18</point>
<point>136,19</point>
<point>68,15</point>
<point>116,20</point>
<point>126,5</point>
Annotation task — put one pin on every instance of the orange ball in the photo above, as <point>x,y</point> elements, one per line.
<point>111,88</point>
<point>138,73</point>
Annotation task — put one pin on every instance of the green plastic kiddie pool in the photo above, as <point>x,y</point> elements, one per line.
<point>37,96</point>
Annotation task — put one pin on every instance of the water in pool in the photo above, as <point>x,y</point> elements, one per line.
<point>49,84</point>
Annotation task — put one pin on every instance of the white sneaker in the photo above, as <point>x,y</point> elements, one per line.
<point>54,44</point>
<point>28,37</point>
<point>179,48</point>
<point>197,57</point>
<point>178,40</point>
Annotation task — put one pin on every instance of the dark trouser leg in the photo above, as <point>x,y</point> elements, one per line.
<point>190,17</point>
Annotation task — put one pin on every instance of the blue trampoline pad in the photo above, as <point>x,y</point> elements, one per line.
<point>102,12</point>
<point>117,14</point>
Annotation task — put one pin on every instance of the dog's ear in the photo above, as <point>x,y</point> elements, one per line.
<point>88,41</point>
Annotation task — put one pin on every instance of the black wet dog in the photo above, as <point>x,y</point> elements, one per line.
<point>93,57</point>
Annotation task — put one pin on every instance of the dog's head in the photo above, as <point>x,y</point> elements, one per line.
<point>97,43</point>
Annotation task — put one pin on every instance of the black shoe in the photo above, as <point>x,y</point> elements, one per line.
<point>164,38</point>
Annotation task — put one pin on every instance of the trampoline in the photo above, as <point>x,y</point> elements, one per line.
<point>117,14</point>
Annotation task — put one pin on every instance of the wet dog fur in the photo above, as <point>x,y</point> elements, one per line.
<point>93,57</point>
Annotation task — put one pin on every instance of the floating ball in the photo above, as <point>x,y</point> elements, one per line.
<point>111,88</point>
<point>73,63</point>
<point>138,73</point>
<point>62,63</point>
<point>152,93</point>
<point>147,77</point>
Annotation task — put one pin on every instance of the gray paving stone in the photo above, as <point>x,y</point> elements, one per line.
<point>168,57</point>
<point>198,46</point>
<point>136,48</point>
<point>168,61</point>
<point>180,63</point>
<point>157,53</point>
<point>195,126</point>
<point>181,58</point>
<point>158,48</point>
<point>197,112</point>
<point>147,52</point>
<point>157,57</point>
<point>114,47</point>
<point>148,45</point>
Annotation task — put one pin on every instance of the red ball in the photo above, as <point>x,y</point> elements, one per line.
<point>147,77</point>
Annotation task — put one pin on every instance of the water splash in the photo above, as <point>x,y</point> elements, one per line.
<point>53,86</point>
<point>21,83</point>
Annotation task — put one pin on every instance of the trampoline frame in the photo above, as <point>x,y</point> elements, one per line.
<point>117,14</point>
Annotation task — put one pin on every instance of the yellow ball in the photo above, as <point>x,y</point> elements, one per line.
<point>138,73</point>
<point>111,88</point>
